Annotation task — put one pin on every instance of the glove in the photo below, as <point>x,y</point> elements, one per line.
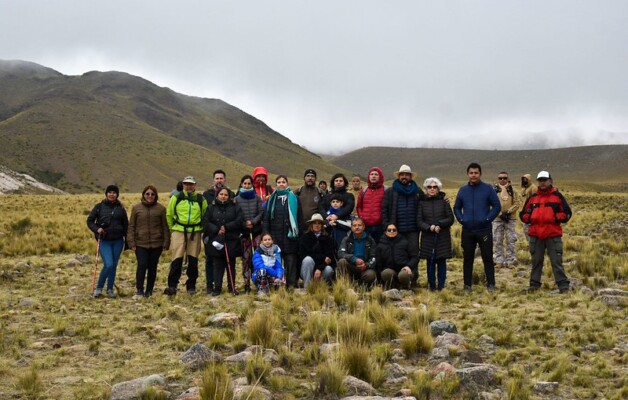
<point>505,216</point>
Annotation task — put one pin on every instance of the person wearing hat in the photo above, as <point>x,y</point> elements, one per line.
<point>260,184</point>
<point>318,252</point>
<point>109,222</point>
<point>476,206</point>
<point>309,195</point>
<point>545,211</point>
<point>369,204</point>
<point>184,215</point>
<point>399,207</point>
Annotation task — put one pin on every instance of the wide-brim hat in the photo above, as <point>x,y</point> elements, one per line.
<point>404,169</point>
<point>316,217</point>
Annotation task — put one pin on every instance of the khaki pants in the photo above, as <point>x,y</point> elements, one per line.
<point>179,247</point>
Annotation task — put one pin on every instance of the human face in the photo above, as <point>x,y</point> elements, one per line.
<point>339,182</point>
<point>282,183</point>
<point>432,189</point>
<point>391,231</point>
<point>317,226</point>
<point>356,182</point>
<point>474,175</point>
<point>503,179</point>
<point>309,179</point>
<point>374,177</point>
<point>260,178</point>
<point>219,180</point>
<point>543,183</point>
<point>189,187</point>
<point>357,227</point>
<point>405,177</point>
<point>322,186</point>
<point>247,184</point>
<point>223,195</point>
<point>112,196</point>
<point>336,204</point>
<point>150,196</point>
<point>267,240</point>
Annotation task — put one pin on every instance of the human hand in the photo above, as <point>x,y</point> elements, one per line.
<point>317,274</point>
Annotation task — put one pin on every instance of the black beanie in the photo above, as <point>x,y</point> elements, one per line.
<point>309,171</point>
<point>112,188</point>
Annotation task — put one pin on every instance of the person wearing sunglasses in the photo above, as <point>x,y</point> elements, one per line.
<point>435,219</point>
<point>393,260</point>
<point>505,227</point>
<point>148,235</point>
<point>545,211</point>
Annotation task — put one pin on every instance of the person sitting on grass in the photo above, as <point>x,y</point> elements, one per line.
<point>267,268</point>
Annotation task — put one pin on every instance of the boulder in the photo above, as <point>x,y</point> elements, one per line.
<point>251,392</point>
<point>198,356</point>
<point>129,390</point>
<point>545,387</point>
<point>241,357</point>
<point>441,326</point>
<point>444,369</point>
<point>358,387</point>
<point>479,375</point>
<point>393,294</point>
<point>395,371</point>
<point>447,340</point>
<point>223,319</point>
<point>190,394</point>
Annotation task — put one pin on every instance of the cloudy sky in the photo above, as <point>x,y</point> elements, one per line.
<point>339,75</point>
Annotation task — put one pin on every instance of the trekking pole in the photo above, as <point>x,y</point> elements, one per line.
<point>249,266</point>
<point>233,289</point>
<point>96,265</point>
<point>433,255</point>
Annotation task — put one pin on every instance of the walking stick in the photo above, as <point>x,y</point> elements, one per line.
<point>431,261</point>
<point>96,265</point>
<point>233,289</point>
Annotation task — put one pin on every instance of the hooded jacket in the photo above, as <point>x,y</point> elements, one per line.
<point>527,191</point>
<point>148,227</point>
<point>187,213</point>
<point>263,191</point>
<point>545,211</point>
<point>370,199</point>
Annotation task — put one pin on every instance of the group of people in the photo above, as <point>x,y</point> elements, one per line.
<point>371,234</point>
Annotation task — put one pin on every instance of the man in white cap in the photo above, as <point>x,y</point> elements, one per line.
<point>545,211</point>
<point>399,207</point>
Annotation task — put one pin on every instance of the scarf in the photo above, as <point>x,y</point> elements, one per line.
<point>267,251</point>
<point>408,190</point>
<point>293,206</point>
<point>247,194</point>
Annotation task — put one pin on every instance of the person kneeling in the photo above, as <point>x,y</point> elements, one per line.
<point>356,256</point>
<point>267,268</point>
<point>393,259</point>
<point>317,249</point>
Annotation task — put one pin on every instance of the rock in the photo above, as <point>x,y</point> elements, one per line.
<point>27,302</point>
<point>242,381</point>
<point>545,387</point>
<point>328,348</point>
<point>393,294</point>
<point>241,357</point>
<point>23,264</point>
<point>496,394</point>
<point>395,371</point>
<point>128,390</point>
<point>471,356</point>
<point>397,355</point>
<point>83,258</point>
<point>251,392</point>
<point>190,394</point>
<point>447,340</point>
<point>439,353</point>
<point>198,356</point>
<point>271,356</point>
<point>357,386</point>
<point>444,368</point>
<point>73,262</point>
<point>586,290</point>
<point>593,348</point>
<point>441,326</point>
<point>278,371</point>
<point>611,292</point>
<point>223,319</point>
<point>482,375</point>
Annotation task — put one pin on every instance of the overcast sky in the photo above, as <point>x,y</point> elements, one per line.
<point>339,75</point>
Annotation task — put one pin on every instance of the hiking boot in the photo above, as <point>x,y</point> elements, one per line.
<point>215,292</point>
<point>530,289</point>
<point>491,288</point>
<point>138,295</point>
<point>97,293</point>
<point>467,289</point>
<point>247,289</point>
<point>111,294</point>
<point>170,291</point>
<point>561,291</point>
<point>148,294</point>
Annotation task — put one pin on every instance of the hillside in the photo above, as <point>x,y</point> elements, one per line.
<point>588,168</point>
<point>79,133</point>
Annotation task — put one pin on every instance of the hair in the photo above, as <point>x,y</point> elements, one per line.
<point>358,219</point>
<point>245,177</point>
<point>391,224</point>
<point>281,176</point>
<point>435,180</point>
<point>322,183</point>
<point>219,171</point>
<point>474,165</point>
<point>503,172</point>
<point>266,234</point>
<point>180,186</point>
<point>153,188</point>
<point>336,196</point>
<point>339,175</point>
<point>323,231</point>
<point>224,188</point>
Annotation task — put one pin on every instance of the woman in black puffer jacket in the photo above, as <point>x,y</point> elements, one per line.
<point>253,212</point>
<point>393,259</point>
<point>435,219</point>
<point>222,225</point>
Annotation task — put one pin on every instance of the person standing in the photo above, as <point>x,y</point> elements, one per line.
<point>528,188</point>
<point>253,212</point>
<point>369,203</point>
<point>356,188</point>
<point>185,221</point>
<point>260,184</point>
<point>475,208</point>
<point>148,235</point>
<point>545,211</point>
<point>309,195</point>
<point>505,227</point>
<point>435,219</point>
<point>399,207</point>
<point>109,222</point>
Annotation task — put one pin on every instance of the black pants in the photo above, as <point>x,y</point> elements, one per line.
<point>469,241</point>
<point>220,265</point>
<point>413,251</point>
<point>209,269</point>
<point>175,273</point>
<point>147,260</point>
<point>292,269</point>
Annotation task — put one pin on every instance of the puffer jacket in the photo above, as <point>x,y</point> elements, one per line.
<point>392,253</point>
<point>390,212</point>
<point>476,207</point>
<point>435,211</point>
<point>252,210</point>
<point>369,206</point>
<point>545,211</point>
<point>229,215</point>
<point>148,227</point>
<point>111,217</point>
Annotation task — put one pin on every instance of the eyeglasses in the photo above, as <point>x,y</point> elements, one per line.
<point>432,187</point>
<point>149,194</point>
<point>502,177</point>
<point>391,230</point>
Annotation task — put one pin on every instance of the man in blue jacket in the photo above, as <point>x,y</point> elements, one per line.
<point>476,207</point>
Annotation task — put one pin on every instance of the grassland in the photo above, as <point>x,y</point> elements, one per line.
<point>58,343</point>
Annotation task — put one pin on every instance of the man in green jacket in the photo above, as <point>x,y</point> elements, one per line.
<point>185,216</point>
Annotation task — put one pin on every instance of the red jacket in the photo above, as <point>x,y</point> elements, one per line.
<point>369,206</point>
<point>545,211</point>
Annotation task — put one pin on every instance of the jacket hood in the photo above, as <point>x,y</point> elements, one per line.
<point>528,176</point>
<point>380,183</point>
<point>260,171</point>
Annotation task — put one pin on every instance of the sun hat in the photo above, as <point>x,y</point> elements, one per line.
<point>316,217</point>
<point>404,169</point>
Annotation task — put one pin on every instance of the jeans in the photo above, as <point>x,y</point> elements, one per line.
<point>147,261</point>
<point>110,251</point>
<point>469,241</point>
<point>439,266</point>
<point>307,271</point>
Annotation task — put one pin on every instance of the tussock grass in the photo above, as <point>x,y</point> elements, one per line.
<point>257,369</point>
<point>30,384</point>
<point>329,378</point>
<point>216,383</point>
<point>355,329</point>
<point>261,329</point>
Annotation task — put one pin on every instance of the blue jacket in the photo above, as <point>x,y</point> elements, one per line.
<point>476,207</point>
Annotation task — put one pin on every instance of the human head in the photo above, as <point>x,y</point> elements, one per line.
<point>474,172</point>
<point>405,174</point>
<point>336,201</point>
<point>112,192</point>
<point>322,185</point>
<point>189,184</point>
<point>358,226</point>
<point>432,186</point>
<point>544,180</point>
<point>150,198</point>
<point>179,186</point>
<point>502,178</point>
<point>223,194</point>
<point>309,177</point>
<point>246,180</point>
<point>281,181</point>
<point>267,239</point>
<point>375,177</point>
<point>339,181</point>
<point>220,178</point>
<point>356,182</point>
<point>525,180</point>
<point>315,224</point>
<point>260,175</point>
<point>391,230</point>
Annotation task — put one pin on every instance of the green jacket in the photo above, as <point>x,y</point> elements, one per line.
<point>187,213</point>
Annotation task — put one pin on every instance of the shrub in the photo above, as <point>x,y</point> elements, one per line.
<point>216,384</point>
<point>330,376</point>
<point>257,369</point>
<point>355,329</point>
<point>30,384</point>
<point>22,226</point>
<point>261,329</point>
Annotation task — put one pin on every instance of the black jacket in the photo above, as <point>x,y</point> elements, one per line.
<point>318,248</point>
<point>348,203</point>
<point>435,211</point>
<point>229,215</point>
<point>111,217</point>
<point>392,253</point>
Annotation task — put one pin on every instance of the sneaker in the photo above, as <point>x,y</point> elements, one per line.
<point>111,294</point>
<point>191,292</point>
<point>215,293</point>
<point>468,289</point>
<point>170,291</point>
<point>148,294</point>
<point>235,292</point>
<point>530,289</point>
<point>97,293</point>
<point>138,295</point>
<point>491,288</point>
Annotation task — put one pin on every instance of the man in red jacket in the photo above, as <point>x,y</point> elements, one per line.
<point>545,211</point>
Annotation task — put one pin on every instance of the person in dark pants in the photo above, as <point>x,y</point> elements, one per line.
<point>148,235</point>
<point>545,211</point>
<point>476,207</point>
